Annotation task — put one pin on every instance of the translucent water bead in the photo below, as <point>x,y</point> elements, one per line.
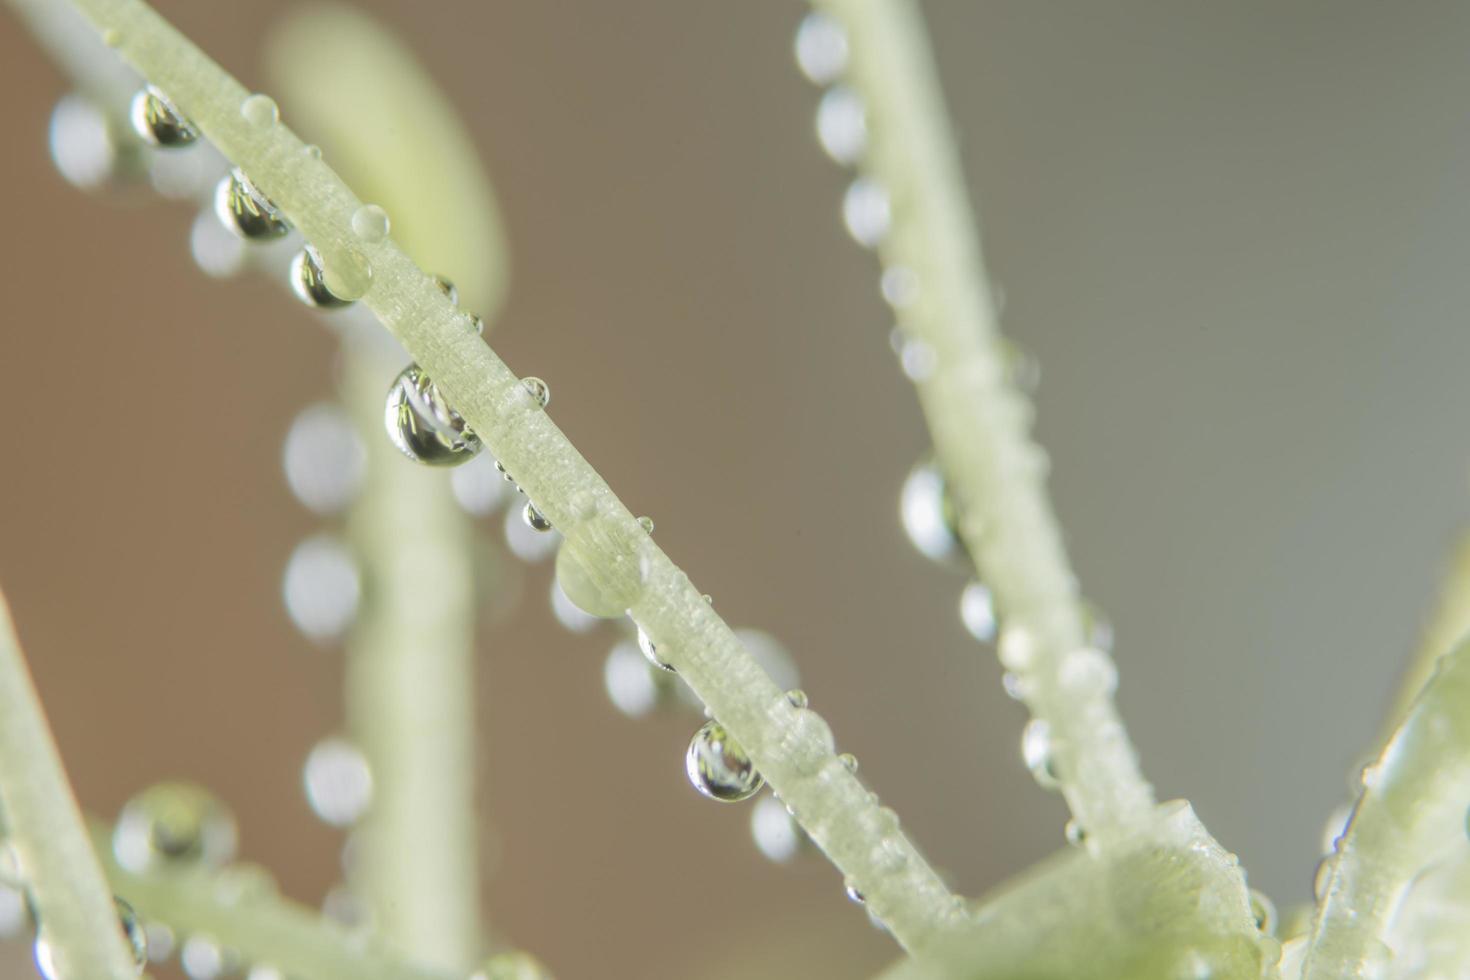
<point>528,544</point>
<point>867,212</point>
<point>512,966</point>
<point>324,458</point>
<point>534,519</point>
<point>1037,753</point>
<point>83,146</point>
<point>821,48</point>
<point>159,121</point>
<point>977,611</point>
<point>928,514</point>
<point>137,939</point>
<point>322,588</point>
<point>719,768</point>
<point>247,212</point>
<point>308,279</point>
<point>421,424</point>
<point>650,651</point>
<point>842,125</point>
<point>338,782</point>
<point>173,825</point>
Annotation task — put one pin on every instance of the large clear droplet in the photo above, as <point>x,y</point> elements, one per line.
<point>867,212</point>
<point>423,426</point>
<point>928,514</point>
<point>606,593</point>
<point>338,782</point>
<point>718,767</point>
<point>1037,753</point>
<point>775,831</point>
<point>324,458</point>
<point>842,125</point>
<point>821,48</point>
<point>322,587</point>
<point>478,487</point>
<point>173,825</point>
<point>159,121</point>
<point>977,611</point>
<point>512,966</point>
<point>309,281</point>
<point>82,144</point>
<point>247,212</point>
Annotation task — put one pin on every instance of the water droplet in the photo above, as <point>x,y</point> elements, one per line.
<point>203,958</point>
<point>312,151</point>
<point>347,273</point>
<point>324,458</point>
<point>900,286</point>
<point>821,48</point>
<point>718,767</point>
<point>1017,648</point>
<point>156,119</point>
<point>518,965</point>
<point>568,613</point>
<point>338,782</point>
<point>322,587</point>
<point>1036,752</point>
<point>161,942</point>
<point>370,223</point>
<point>132,931</point>
<point>632,685</point>
<point>247,212</point>
<point>918,360</point>
<point>867,212</point>
<point>1263,910</point>
<point>423,426</point>
<point>477,486</point>
<point>842,125</point>
<point>1088,669</point>
<point>539,390</point>
<point>853,895</point>
<point>447,287</point>
<point>849,761</point>
<point>797,698</point>
<point>217,252</point>
<point>173,825</point>
<point>309,281</point>
<point>534,519</point>
<point>260,111</point>
<point>528,544</point>
<point>928,514</point>
<point>977,611</point>
<point>477,323</point>
<point>650,651</point>
<point>1017,688</point>
<point>776,833</point>
<point>340,905</point>
<point>646,523</point>
<point>1074,832</point>
<point>81,143</point>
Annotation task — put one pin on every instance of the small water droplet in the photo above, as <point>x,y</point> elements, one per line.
<point>203,958</point>
<point>646,523</point>
<point>309,282</point>
<point>477,323</point>
<point>1075,833</point>
<point>324,458</point>
<point>1263,910</point>
<point>900,286</point>
<point>518,965</point>
<point>776,833</point>
<point>1017,688</point>
<point>534,519</point>
<point>1088,669</point>
<point>244,884</point>
<point>247,212</point>
<point>161,942</point>
<point>528,544</point>
<point>918,360</point>
<point>447,287</point>
<point>853,895</point>
<point>539,391</point>
<point>842,125</point>
<point>797,698</point>
<point>158,121</point>
<point>867,212</point>
<point>173,825</point>
<point>322,588</point>
<point>477,486</point>
<point>650,651</point>
<point>338,782</point>
<point>1036,752</point>
<point>217,252</point>
<point>341,906</point>
<point>1017,648</point>
<point>849,761</point>
<point>260,110</point>
<point>370,223</point>
<point>423,426</point>
<point>977,611</point>
<point>718,767</point>
<point>82,144</point>
<point>928,514</point>
<point>821,48</point>
<point>312,150</point>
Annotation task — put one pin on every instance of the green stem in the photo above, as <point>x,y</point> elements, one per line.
<point>605,549</point>
<point>74,907</point>
<point>1411,814</point>
<point>978,420</point>
<point>262,927</point>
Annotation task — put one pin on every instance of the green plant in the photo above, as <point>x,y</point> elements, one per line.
<point>1146,891</point>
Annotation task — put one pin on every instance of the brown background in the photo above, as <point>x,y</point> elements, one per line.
<point>1235,235</point>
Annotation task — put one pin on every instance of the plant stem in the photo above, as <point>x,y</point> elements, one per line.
<point>74,907</point>
<point>1411,813</point>
<point>263,927</point>
<point>605,548</point>
<point>1447,626</point>
<point>978,420</point>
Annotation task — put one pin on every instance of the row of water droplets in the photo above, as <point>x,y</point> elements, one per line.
<point>926,507</point>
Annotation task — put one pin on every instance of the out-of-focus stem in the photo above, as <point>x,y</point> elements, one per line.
<point>74,908</point>
<point>978,420</point>
<point>1447,626</point>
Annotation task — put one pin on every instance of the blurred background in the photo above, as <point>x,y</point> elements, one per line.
<point>1234,235</point>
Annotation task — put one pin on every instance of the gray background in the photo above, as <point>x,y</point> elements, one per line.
<point>1234,234</point>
